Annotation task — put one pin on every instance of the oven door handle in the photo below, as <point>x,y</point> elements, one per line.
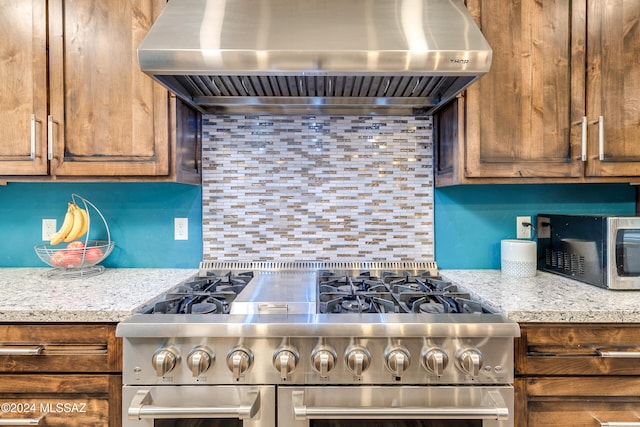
<point>499,411</point>
<point>141,408</point>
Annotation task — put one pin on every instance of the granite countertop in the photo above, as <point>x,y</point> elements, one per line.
<point>548,297</point>
<point>27,295</point>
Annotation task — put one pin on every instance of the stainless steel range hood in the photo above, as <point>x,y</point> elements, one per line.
<point>315,56</point>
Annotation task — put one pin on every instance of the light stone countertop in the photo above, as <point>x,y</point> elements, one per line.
<point>548,297</point>
<point>27,295</point>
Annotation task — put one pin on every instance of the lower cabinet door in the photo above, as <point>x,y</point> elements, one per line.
<point>580,401</point>
<point>60,400</point>
<point>583,413</point>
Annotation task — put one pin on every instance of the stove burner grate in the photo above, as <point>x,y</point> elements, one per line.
<point>357,303</point>
<point>392,292</point>
<point>211,294</point>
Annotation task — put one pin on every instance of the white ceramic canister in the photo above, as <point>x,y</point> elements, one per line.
<point>518,258</point>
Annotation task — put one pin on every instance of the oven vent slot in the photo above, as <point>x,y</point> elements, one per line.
<point>430,266</point>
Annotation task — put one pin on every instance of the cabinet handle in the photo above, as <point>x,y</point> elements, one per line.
<point>600,123</point>
<point>601,138</point>
<point>617,423</point>
<point>22,421</point>
<point>49,137</point>
<point>32,154</point>
<point>618,354</point>
<point>21,350</point>
<point>584,138</point>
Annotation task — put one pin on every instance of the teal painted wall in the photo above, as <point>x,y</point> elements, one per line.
<point>470,221</point>
<point>140,218</point>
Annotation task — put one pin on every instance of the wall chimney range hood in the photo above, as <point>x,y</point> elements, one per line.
<point>360,57</point>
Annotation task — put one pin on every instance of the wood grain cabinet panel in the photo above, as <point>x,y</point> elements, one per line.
<point>575,375</point>
<point>535,117</point>
<point>23,87</point>
<point>103,108</point>
<point>61,374</point>
<point>105,118</point>
<point>613,88</point>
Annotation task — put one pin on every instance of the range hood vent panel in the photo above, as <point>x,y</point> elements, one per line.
<point>302,56</point>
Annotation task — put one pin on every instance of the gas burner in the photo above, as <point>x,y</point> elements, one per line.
<point>431,307</point>
<point>364,282</point>
<point>204,308</point>
<point>355,306</point>
<point>422,282</point>
<point>419,302</point>
<point>391,292</point>
<point>211,294</point>
<point>374,302</point>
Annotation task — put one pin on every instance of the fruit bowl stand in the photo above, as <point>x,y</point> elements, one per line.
<point>77,258</point>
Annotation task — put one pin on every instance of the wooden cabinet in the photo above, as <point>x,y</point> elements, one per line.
<point>75,104</point>
<point>523,121</point>
<point>61,374</point>
<point>577,375</point>
<point>612,88</point>
<point>23,87</point>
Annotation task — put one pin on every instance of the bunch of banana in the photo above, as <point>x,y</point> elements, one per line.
<point>74,225</point>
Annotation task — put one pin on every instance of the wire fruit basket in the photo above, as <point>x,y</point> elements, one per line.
<point>77,258</point>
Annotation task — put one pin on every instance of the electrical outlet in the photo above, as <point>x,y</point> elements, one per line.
<point>48,228</point>
<point>523,231</point>
<point>181,229</point>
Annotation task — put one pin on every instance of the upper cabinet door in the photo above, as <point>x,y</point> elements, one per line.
<point>613,88</point>
<point>107,117</point>
<point>23,87</point>
<point>518,121</point>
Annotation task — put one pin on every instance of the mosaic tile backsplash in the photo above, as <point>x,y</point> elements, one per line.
<point>298,188</point>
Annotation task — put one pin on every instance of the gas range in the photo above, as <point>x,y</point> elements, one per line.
<point>324,324</point>
<point>274,288</point>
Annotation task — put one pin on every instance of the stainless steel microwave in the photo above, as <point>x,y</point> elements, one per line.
<point>600,250</point>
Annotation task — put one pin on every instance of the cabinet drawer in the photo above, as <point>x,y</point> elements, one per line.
<point>582,413</point>
<point>584,349</point>
<point>59,348</point>
<point>63,411</point>
<point>61,400</point>
<point>586,401</point>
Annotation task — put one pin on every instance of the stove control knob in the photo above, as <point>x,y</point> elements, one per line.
<point>164,360</point>
<point>470,361</point>
<point>323,360</point>
<point>239,361</point>
<point>435,360</point>
<point>357,359</point>
<point>285,360</point>
<point>199,360</point>
<point>397,360</point>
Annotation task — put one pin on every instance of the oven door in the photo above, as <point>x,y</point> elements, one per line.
<point>411,406</point>
<point>198,406</point>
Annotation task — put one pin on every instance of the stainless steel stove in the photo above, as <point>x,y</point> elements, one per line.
<point>317,343</point>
